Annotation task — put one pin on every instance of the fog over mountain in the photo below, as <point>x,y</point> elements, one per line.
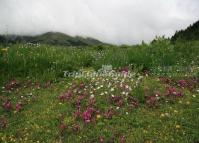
<point>112,21</point>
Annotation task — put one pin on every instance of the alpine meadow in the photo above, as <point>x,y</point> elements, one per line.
<point>58,88</point>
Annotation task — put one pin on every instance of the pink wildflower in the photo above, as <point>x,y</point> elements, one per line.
<point>87,115</point>
<point>7,105</point>
<point>18,107</point>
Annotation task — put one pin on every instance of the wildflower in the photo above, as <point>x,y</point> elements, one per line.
<point>162,115</point>
<point>3,122</point>
<point>157,94</point>
<point>167,114</point>
<point>77,114</point>
<point>7,105</point>
<point>124,70</point>
<point>175,111</point>
<point>11,85</point>
<point>187,102</point>
<point>133,101</point>
<point>91,102</point>
<point>92,96</point>
<point>178,127</point>
<point>126,87</point>
<point>65,96</point>
<point>98,116</point>
<point>148,141</point>
<point>145,131</point>
<point>108,114</point>
<point>101,140</point>
<point>4,49</point>
<point>18,107</point>
<point>118,100</point>
<point>173,92</point>
<point>182,83</point>
<point>112,89</point>
<point>87,115</point>
<point>151,100</point>
<point>62,127</point>
<point>102,94</point>
<point>81,85</point>
<point>122,139</point>
<point>76,128</point>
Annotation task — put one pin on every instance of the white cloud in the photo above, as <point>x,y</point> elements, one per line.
<point>114,21</point>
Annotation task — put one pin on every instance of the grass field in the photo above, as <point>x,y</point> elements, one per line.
<point>158,103</point>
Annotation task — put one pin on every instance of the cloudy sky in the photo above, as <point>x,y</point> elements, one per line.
<point>113,21</point>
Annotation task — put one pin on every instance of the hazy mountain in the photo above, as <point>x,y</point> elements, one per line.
<point>53,38</point>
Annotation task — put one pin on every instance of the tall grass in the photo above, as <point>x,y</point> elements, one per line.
<point>49,62</point>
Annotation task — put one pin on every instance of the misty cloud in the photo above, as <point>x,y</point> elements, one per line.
<point>114,21</point>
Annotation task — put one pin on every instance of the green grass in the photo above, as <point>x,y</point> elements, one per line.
<point>169,119</point>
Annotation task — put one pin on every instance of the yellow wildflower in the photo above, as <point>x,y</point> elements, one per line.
<point>162,115</point>
<point>98,116</point>
<point>4,49</point>
<point>175,111</point>
<point>148,141</point>
<point>177,126</point>
<point>187,102</point>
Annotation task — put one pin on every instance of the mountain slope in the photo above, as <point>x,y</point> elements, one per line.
<point>53,38</point>
<point>190,33</point>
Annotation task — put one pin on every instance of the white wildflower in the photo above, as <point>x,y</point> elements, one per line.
<point>112,89</point>
<point>92,96</point>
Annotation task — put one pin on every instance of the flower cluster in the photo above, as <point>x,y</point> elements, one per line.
<point>172,91</point>
<point>7,105</point>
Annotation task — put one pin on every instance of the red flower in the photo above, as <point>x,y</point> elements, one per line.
<point>18,107</point>
<point>91,102</point>
<point>124,70</point>
<point>7,105</point>
<point>77,114</point>
<point>122,139</point>
<point>101,140</point>
<point>173,92</point>
<point>118,100</point>
<point>109,114</point>
<point>81,85</point>
<point>133,101</point>
<point>62,127</point>
<point>182,83</point>
<point>11,85</point>
<point>151,100</point>
<point>65,96</point>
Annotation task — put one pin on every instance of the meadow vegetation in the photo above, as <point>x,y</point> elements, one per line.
<point>159,103</point>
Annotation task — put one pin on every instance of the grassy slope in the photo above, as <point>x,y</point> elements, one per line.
<point>172,120</point>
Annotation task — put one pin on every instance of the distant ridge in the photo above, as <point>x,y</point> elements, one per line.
<point>52,38</point>
<point>190,33</point>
